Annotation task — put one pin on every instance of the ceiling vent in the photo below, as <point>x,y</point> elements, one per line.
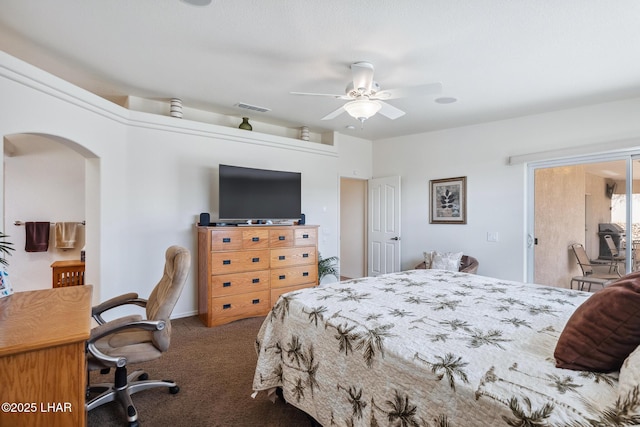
<point>252,107</point>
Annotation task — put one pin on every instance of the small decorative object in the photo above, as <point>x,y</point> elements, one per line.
<point>448,201</point>
<point>5,249</point>
<point>245,124</point>
<point>304,133</point>
<point>176,108</point>
<point>5,285</point>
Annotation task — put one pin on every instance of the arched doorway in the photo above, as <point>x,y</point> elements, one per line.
<point>52,179</point>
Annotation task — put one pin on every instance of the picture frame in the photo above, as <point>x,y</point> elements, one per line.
<point>448,200</point>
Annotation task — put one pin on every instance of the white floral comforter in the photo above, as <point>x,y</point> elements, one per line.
<point>432,348</point>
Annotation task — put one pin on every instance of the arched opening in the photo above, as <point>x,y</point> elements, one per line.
<point>50,179</point>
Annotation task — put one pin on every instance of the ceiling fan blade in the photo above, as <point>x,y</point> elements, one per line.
<point>320,94</point>
<point>362,73</point>
<point>390,111</point>
<point>420,90</point>
<point>334,114</point>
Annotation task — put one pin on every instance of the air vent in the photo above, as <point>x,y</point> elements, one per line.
<point>252,107</point>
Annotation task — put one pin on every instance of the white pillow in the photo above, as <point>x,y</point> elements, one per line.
<point>629,374</point>
<point>428,258</point>
<point>447,261</point>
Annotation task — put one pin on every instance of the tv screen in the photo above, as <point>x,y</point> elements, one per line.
<point>258,194</point>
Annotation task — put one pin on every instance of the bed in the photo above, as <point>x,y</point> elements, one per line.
<point>434,348</point>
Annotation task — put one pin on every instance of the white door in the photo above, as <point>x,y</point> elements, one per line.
<point>384,226</point>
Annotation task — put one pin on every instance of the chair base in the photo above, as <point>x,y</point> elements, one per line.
<point>121,391</point>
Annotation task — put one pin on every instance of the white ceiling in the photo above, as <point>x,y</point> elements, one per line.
<point>499,58</point>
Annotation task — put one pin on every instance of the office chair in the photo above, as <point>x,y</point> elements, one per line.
<point>132,339</point>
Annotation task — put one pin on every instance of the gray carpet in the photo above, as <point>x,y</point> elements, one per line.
<point>214,369</point>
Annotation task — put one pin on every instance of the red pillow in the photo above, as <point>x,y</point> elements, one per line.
<point>604,330</point>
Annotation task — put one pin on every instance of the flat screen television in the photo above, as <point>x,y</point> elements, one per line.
<point>258,194</point>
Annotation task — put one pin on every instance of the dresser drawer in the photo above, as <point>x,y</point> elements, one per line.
<point>275,293</point>
<point>233,307</point>
<point>235,262</point>
<point>305,236</point>
<point>288,257</point>
<point>281,238</point>
<point>255,239</point>
<point>226,240</point>
<point>283,277</point>
<point>239,283</point>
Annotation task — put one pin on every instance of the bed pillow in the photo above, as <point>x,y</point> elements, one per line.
<point>428,258</point>
<point>629,377</point>
<point>604,330</point>
<point>447,261</point>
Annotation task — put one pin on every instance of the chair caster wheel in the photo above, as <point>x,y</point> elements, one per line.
<point>174,390</point>
<point>143,377</point>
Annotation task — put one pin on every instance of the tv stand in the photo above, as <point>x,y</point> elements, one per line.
<point>242,271</point>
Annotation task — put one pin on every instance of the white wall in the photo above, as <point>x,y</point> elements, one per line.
<point>148,177</point>
<point>496,191</point>
<point>43,181</point>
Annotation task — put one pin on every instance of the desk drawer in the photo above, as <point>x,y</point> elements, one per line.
<point>275,293</point>
<point>305,236</point>
<point>289,257</point>
<point>226,240</point>
<point>281,238</point>
<point>239,283</point>
<point>283,277</point>
<point>255,239</point>
<point>234,307</point>
<point>235,262</point>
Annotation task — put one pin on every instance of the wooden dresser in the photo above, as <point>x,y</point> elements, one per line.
<point>242,271</point>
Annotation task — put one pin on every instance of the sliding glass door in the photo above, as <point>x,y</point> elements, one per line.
<point>587,201</point>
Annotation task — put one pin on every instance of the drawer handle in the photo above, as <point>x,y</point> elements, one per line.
<point>226,284</point>
<point>255,239</point>
<point>305,255</point>
<point>226,306</point>
<point>255,280</point>
<point>281,257</point>
<point>226,262</point>
<point>256,259</point>
<point>256,301</point>
<point>282,276</point>
<point>305,274</point>
<point>305,236</point>
<point>280,237</point>
<point>226,240</point>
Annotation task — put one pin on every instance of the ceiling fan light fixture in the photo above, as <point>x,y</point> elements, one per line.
<point>362,109</point>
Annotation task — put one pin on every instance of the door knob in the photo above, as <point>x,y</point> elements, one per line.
<point>395,238</point>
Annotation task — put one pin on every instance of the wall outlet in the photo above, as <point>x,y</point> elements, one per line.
<point>492,236</point>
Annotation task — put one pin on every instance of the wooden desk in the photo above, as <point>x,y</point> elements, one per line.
<point>42,356</point>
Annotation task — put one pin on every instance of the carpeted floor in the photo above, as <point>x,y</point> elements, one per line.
<point>214,369</point>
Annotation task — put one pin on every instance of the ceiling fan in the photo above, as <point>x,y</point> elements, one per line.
<point>366,97</point>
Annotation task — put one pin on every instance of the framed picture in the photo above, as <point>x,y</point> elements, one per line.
<point>448,201</point>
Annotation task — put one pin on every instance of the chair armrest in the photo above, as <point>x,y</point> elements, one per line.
<point>117,325</point>
<point>130,298</point>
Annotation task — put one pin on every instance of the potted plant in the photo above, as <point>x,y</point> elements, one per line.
<point>5,248</point>
<point>327,267</point>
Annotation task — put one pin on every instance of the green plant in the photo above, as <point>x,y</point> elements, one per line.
<point>327,267</point>
<point>5,248</point>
